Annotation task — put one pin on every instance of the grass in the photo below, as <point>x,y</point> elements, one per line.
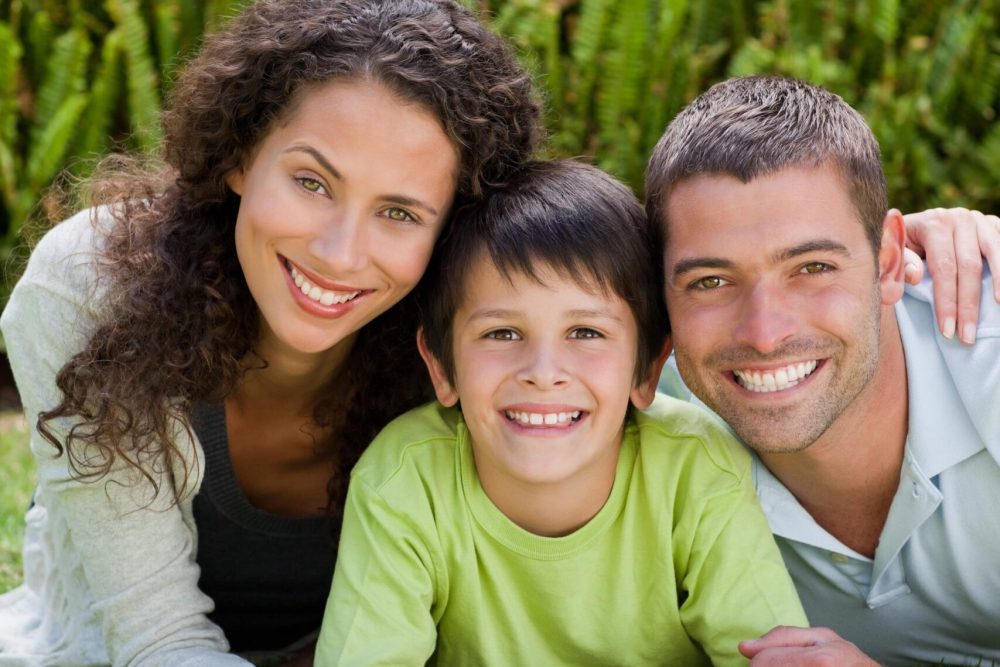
<point>18,474</point>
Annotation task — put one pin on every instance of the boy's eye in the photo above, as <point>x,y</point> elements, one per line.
<point>311,184</point>
<point>585,333</point>
<point>708,283</point>
<point>816,267</point>
<point>503,334</point>
<point>399,215</point>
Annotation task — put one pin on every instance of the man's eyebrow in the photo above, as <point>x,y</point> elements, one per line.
<point>818,245</point>
<point>402,200</point>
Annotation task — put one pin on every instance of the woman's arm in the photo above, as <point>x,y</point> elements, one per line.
<point>117,570</point>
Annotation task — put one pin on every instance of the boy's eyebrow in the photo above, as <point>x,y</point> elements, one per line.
<point>500,314</point>
<point>402,200</point>
<point>783,255</point>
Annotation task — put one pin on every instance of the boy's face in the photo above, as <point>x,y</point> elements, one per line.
<point>776,302</point>
<point>544,373</point>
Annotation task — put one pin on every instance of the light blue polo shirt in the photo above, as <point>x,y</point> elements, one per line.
<point>932,592</point>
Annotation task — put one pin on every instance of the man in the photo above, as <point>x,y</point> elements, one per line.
<point>877,439</point>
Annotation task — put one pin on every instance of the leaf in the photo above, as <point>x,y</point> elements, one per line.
<point>49,150</point>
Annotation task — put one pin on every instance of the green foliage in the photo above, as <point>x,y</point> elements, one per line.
<point>81,77</point>
<point>924,74</point>
<point>15,495</point>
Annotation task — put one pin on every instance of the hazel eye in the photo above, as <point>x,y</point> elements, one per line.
<point>816,267</point>
<point>311,184</point>
<point>399,215</point>
<point>503,334</point>
<point>585,333</point>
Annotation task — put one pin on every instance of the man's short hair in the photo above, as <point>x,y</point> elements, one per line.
<point>757,125</point>
<point>564,216</point>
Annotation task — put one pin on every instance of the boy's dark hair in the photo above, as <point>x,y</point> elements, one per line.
<point>754,126</point>
<point>561,215</point>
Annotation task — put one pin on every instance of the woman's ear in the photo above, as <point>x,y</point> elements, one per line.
<point>891,258</point>
<point>645,391</point>
<point>445,393</point>
<point>234,179</point>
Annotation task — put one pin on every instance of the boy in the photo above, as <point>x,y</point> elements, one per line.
<point>546,522</point>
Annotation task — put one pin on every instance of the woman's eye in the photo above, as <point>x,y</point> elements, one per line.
<point>503,334</point>
<point>816,267</point>
<point>311,184</point>
<point>585,333</point>
<point>708,283</point>
<point>399,215</point>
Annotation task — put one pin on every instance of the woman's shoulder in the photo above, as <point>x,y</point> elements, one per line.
<point>70,246</point>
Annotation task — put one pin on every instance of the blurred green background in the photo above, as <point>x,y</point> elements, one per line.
<point>81,77</point>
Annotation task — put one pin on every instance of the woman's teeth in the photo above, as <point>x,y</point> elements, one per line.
<point>318,294</point>
<point>777,379</point>
<point>539,418</point>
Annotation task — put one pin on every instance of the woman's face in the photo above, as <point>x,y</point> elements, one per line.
<point>341,206</point>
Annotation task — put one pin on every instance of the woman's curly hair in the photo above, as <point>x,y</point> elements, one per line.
<point>178,321</point>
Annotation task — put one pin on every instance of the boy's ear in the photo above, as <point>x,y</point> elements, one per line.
<point>643,393</point>
<point>445,393</point>
<point>891,264</point>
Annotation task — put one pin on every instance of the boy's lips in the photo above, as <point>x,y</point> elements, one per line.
<point>536,416</point>
<point>765,381</point>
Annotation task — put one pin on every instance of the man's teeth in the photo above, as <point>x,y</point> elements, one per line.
<point>777,379</point>
<point>539,418</point>
<point>318,294</point>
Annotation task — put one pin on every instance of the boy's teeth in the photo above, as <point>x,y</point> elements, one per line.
<point>776,380</point>
<point>317,293</point>
<point>540,418</point>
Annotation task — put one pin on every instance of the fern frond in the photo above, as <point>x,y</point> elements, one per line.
<point>65,75</point>
<point>46,155</point>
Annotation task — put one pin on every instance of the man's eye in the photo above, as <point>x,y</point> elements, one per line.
<point>816,267</point>
<point>585,332</point>
<point>503,334</point>
<point>708,283</point>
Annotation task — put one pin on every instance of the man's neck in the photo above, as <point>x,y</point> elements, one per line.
<point>847,479</point>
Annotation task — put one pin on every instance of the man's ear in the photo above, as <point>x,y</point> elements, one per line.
<point>891,262</point>
<point>445,393</point>
<point>234,179</point>
<point>643,393</point>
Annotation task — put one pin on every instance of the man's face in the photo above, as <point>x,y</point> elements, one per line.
<point>774,302</point>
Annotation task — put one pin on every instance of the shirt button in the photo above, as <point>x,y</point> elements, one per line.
<point>840,559</point>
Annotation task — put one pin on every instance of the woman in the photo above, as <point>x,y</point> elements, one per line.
<point>208,352</point>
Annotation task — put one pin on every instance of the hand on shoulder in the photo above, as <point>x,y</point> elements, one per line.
<point>814,647</point>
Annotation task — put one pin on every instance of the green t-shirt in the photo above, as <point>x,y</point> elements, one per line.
<point>676,568</point>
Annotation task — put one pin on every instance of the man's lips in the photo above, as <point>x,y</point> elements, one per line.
<point>775,379</point>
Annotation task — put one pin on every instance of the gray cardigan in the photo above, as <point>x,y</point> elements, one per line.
<point>109,568</point>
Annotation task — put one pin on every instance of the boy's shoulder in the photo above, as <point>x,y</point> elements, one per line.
<point>677,431</point>
<point>421,441</point>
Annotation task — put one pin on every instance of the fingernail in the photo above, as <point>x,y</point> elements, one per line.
<point>949,328</point>
<point>969,334</point>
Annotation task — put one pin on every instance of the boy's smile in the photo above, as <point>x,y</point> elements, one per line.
<point>544,373</point>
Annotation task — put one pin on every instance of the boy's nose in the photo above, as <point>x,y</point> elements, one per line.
<point>542,368</point>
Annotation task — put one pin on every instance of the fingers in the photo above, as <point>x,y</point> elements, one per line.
<point>954,242</point>
<point>988,227</point>
<point>818,647</point>
<point>913,272</point>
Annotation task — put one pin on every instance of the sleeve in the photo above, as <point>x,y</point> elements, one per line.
<point>736,582</point>
<point>134,552</point>
<point>382,601</point>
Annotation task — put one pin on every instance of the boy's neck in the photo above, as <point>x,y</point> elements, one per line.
<point>554,509</point>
